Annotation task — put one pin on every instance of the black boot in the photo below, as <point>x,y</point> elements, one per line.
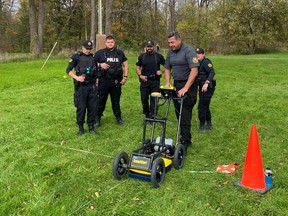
<point>119,120</point>
<point>81,130</point>
<point>91,129</point>
<point>202,127</point>
<point>97,121</point>
<point>209,125</point>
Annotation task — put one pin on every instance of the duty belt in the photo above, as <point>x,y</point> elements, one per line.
<point>153,77</point>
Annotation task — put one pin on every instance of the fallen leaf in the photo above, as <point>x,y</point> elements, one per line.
<point>135,198</point>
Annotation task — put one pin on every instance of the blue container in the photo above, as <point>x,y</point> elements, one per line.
<point>268,177</point>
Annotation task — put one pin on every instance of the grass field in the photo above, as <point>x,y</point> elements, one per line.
<point>47,170</point>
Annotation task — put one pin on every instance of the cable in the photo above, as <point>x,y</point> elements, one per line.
<point>59,35</point>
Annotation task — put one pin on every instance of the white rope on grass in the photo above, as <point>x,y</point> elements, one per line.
<point>203,171</point>
<point>80,150</point>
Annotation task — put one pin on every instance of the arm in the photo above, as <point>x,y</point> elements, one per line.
<point>167,77</point>
<point>161,62</point>
<point>69,69</point>
<point>125,66</point>
<point>138,71</point>
<point>209,68</point>
<point>77,78</point>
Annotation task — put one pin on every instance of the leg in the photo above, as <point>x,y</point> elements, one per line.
<point>103,92</point>
<point>188,104</point>
<point>202,111</point>
<point>154,87</point>
<point>144,91</point>
<point>92,105</point>
<point>115,95</point>
<point>80,102</point>
<point>208,113</point>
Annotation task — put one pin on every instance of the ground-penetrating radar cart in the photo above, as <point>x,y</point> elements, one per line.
<point>157,154</point>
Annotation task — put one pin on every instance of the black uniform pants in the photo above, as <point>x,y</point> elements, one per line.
<point>204,113</point>
<point>112,87</point>
<point>188,104</point>
<point>86,98</point>
<point>146,88</point>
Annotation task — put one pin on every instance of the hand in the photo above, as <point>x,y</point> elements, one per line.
<point>159,73</point>
<point>182,92</point>
<point>105,66</point>
<point>123,81</point>
<point>167,85</point>
<point>204,87</point>
<point>80,78</point>
<point>143,78</point>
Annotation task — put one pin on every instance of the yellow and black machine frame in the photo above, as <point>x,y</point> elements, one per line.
<point>156,155</point>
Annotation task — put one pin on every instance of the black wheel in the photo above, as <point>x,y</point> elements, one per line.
<point>179,156</point>
<point>157,172</point>
<point>120,165</point>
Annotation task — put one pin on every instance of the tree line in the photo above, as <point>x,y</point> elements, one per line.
<point>219,26</point>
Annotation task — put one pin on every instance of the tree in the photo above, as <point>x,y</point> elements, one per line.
<point>108,17</point>
<point>225,26</point>
<point>7,30</point>
<point>36,24</point>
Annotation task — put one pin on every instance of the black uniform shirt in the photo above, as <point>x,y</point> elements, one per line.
<point>111,57</point>
<point>206,70</point>
<point>181,62</point>
<point>114,58</point>
<point>150,63</point>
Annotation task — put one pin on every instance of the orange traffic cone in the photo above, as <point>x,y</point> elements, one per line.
<point>253,172</point>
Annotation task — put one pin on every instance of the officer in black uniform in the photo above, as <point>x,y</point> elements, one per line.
<point>110,61</point>
<point>183,64</point>
<point>207,85</point>
<point>148,70</point>
<point>85,95</point>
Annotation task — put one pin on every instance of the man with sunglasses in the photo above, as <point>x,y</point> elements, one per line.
<point>148,70</point>
<point>85,94</point>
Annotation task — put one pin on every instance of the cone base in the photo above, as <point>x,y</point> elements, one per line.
<point>261,191</point>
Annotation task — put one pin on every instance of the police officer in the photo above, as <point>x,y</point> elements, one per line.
<point>110,61</point>
<point>148,70</point>
<point>206,90</point>
<point>85,95</point>
<point>183,64</point>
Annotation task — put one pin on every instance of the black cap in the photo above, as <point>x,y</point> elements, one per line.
<point>88,44</point>
<point>150,43</point>
<point>200,51</point>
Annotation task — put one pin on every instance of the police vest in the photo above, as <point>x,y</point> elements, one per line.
<point>115,70</point>
<point>86,67</point>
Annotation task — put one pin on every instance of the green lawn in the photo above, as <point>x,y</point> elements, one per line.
<point>47,170</point>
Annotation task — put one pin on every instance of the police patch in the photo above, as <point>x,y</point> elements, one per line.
<point>195,60</point>
<point>210,65</point>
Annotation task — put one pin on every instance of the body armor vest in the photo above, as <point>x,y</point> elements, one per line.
<point>86,66</point>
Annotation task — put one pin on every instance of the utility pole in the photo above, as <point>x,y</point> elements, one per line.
<point>100,17</point>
